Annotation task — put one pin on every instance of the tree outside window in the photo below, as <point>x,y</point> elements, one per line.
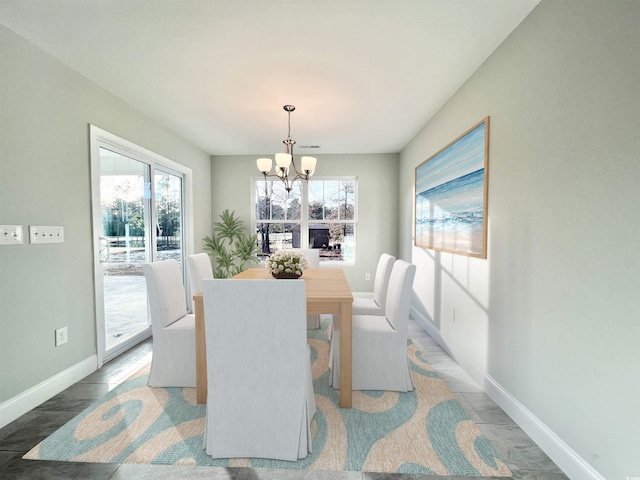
<point>328,226</point>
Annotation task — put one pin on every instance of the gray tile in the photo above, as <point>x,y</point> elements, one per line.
<point>75,398</point>
<point>428,344</point>
<point>141,355</point>
<point>170,472</point>
<point>468,408</point>
<point>73,471</point>
<point>416,333</point>
<point>517,449</point>
<point>397,476</point>
<point>5,457</point>
<point>487,410</point>
<point>391,476</point>
<point>275,474</point>
<point>18,469</point>
<point>30,429</point>
<point>458,380</point>
<point>432,350</point>
<point>112,373</point>
<point>539,475</point>
<point>442,362</point>
<point>414,326</point>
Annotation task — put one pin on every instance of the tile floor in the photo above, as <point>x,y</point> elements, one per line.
<point>526,460</point>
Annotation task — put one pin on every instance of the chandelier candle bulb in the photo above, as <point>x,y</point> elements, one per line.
<point>264,164</point>
<point>308,164</point>
<point>283,160</point>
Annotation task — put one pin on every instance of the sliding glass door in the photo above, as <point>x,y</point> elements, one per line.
<point>125,244</point>
<point>168,195</point>
<point>139,217</point>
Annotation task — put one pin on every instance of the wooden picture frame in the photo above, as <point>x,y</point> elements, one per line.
<point>451,187</point>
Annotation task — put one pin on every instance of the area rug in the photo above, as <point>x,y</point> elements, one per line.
<point>425,431</point>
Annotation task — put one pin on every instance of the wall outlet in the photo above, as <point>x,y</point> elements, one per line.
<point>41,234</point>
<point>367,276</point>
<point>61,336</point>
<point>11,235</point>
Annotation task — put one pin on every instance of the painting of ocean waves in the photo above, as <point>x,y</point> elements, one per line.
<point>450,196</point>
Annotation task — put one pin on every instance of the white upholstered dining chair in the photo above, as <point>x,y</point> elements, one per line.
<point>199,268</point>
<point>174,359</point>
<point>260,401</point>
<point>313,254</point>
<point>379,342</point>
<point>375,305</point>
<point>372,304</point>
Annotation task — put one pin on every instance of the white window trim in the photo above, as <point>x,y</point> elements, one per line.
<point>304,221</point>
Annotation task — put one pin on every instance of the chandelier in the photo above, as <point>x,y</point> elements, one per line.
<point>285,160</point>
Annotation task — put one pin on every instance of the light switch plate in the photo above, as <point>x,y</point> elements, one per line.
<point>44,234</point>
<point>61,336</point>
<point>11,235</point>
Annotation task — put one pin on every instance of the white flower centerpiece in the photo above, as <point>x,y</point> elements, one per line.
<point>287,264</point>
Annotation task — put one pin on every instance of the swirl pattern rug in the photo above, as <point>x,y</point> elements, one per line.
<point>425,431</point>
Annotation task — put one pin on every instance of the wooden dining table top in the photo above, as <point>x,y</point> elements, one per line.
<point>322,283</point>
<point>327,292</point>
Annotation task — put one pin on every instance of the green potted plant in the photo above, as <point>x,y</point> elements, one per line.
<point>230,247</point>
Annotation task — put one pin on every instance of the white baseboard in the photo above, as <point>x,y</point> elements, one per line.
<point>572,464</point>
<point>17,406</point>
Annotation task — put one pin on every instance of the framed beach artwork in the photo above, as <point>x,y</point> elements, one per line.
<point>451,195</point>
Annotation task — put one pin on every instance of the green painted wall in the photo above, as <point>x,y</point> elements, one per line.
<point>45,112</point>
<point>552,314</point>
<point>377,229</point>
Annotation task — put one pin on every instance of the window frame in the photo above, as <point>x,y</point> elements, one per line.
<point>305,221</point>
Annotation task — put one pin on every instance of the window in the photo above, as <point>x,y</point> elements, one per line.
<point>319,214</point>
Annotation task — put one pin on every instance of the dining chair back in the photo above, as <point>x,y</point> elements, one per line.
<point>313,254</point>
<point>199,268</point>
<point>260,401</point>
<point>174,360</point>
<point>376,304</point>
<point>379,342</point>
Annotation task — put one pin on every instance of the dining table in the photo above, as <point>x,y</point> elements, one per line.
<point>328,292</point>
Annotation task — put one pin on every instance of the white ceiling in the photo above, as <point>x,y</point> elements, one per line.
<point>365,75</point>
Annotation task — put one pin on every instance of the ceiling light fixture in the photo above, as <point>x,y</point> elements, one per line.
<point>283,160</point>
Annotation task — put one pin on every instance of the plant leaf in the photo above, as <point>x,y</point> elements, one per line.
<point>230,247</point>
